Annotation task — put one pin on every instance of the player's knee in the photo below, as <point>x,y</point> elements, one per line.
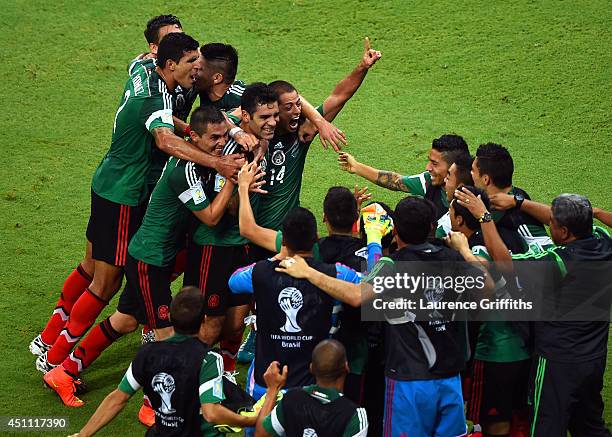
<point>123,323</point>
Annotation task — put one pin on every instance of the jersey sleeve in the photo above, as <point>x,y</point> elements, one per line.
<point>482,252</point>
<point>157,111</point>
<point>187,186</point>
<point>274,423</point>
<point>241,280</point>
<point>358,424</point>
<point>417,184</point>
<point>347,274</point>
<point>231,99</point>
<point>211,379</point>
<point>279,240</point>
<point>384,266</point>
<point>320,110</point>
<point>129,384</point>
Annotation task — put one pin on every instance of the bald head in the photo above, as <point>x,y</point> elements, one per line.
<point>328,361</point>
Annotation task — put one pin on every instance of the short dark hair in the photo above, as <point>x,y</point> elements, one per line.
<point>222,58</point>
<point>575,212</point>
<point>151,32</point>
<point>328,360</point>
<point>281,87</point>
<point>413,219</point>
<point>299,230</point>
<point>203,116</point>
<point>187,311</point>
<point>340,208</point>
<point>470,221</point>
<point>495,161</point>
<point>257,93</point>
<point>174,46</point>
<point>463,164</point>
<point>450,146</point>
<point>387,239</point>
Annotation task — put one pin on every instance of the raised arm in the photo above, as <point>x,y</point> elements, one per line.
<point>387,179</point>
<point>495,245</point>
<point>249,229</point>
<point>168,142</point>
<point>275,380</point>
<point>347,87</point>
<point>603,216</point>
<point>329,134</point>
<point>537,210</point>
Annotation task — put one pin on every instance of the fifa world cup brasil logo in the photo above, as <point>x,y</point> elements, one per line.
<point>163,384</point>
<point>290,300</point>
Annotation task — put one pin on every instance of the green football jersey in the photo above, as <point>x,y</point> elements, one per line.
<point>284,165</point>
<point>182,103</point>
<point>230,100</point>
<point>274,423</point>
<point>178,192</point>
<point>497,340</point>
<point>531,231</point>
<point>146,104</point>
<point>226,233</point>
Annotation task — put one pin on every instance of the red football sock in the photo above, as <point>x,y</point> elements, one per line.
<point>229,349</point>
<point>98,339</point>
<point>84,313</point>
<point>74,286</point>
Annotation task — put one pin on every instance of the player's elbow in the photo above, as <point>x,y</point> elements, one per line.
<point>210,413</point>
<point>353,298</point>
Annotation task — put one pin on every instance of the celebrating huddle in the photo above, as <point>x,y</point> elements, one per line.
<point>213,194</point>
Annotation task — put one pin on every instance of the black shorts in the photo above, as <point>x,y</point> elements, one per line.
<point>567,397</point>
<point>497,390</point>
<point>209,268</point>
<point>147,294</point>
<point>111,227</point>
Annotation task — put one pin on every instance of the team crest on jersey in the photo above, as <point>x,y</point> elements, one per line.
<point>290,301</point>
<point>219,182</point>
<point>162,312</point>
<point>197,193</point>
<point>278,157</point>
<point>163,385</point>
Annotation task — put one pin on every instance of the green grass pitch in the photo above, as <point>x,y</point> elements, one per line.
<point>534,76</point>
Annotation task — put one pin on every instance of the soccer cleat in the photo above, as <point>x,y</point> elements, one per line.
<point>39,347</point>
<point>147,335</point>
<point>63,384</point>
<point>246,353</point>
<point>146,416</point>
<point>43,365</point>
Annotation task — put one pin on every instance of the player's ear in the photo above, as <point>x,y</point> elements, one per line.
<point>194,136</point>
<point>153,48</point>
<point>217,78</point>
<point>246,117</point>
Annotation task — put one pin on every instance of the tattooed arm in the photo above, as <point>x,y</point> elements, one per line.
<point>387,179</point>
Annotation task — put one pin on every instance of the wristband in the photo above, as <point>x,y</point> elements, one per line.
<point>233,131</point>
<point>187,130</point>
